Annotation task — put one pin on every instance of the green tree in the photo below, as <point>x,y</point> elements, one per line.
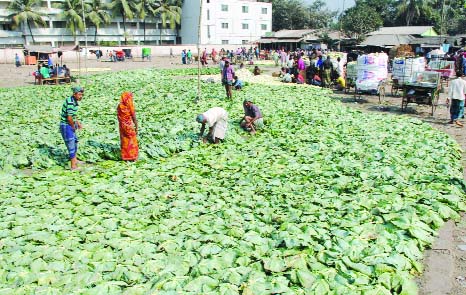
<point>415,11</point>
<point>97,15</point>
<point>449,17</point>
<point>298,15</point>
<point>280,15</point>
<point>387,10</point>
<point>73,15</point>
<point>295,15</point>
<point>169,13</point>
<point>126,9</point>
<point>146,8</point>
<point>359,20</point>
<point>26,11</point>
<point>320,16</point>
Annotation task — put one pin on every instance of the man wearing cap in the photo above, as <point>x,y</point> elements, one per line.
<point>217,120</point>
<point>69,123</point>
<point>252,119</point>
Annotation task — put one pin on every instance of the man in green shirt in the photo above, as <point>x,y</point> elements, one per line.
<point>190,56</point>
<point>69,123</point>
<point>44,71</point>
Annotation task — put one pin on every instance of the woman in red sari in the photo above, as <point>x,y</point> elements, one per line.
<point>128,127</point>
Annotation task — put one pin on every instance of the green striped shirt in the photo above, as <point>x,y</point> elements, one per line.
<point>69,108</point>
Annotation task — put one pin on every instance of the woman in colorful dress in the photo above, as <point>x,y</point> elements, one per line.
<point>128,127</point>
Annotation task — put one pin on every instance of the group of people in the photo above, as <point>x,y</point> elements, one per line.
<point>128,126</point>
<point>115,55</point>
<point>215,118</point>
<point>46,71</point>
<point>460,61</point>
<point>319,72</point>
<point>240,54</point>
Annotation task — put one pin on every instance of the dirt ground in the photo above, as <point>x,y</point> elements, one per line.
<point>445,267</point>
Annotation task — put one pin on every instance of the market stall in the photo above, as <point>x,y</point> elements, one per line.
<point>423,88</point>
<point>37,53</point>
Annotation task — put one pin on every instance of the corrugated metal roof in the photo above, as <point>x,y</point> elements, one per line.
<point>433,40</point>
<point>266,40</point>
<point>288,40</point>
<point>387,40</point>
<point>407,30</point>
<point>292,33</point>
<point>39,48</point>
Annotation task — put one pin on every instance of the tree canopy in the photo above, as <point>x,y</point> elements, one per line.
<point>360,20</point>
<point>447,16</point>
<point>295,15</point>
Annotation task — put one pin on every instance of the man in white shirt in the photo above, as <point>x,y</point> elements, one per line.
<point>456,93</point>
<point>217,120</point>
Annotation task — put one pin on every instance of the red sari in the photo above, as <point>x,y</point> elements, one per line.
<point>128,139</point>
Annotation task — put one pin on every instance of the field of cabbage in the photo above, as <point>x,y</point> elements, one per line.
<point>325,200</point>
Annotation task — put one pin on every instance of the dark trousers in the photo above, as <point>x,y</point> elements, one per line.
<point>455,109</point>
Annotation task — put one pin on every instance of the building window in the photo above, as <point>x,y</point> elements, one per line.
<point>264,27</point>
<point>225,42</point>
<point>208,14</point>
<point>208,32</point>
<point>224,25</point>
<point>264,10</point>
<point>59,24</point>
<point>208,1</point>
<point>245,42</point>
<point>224,7</point>
<point>245,9</point>
<point>245,26</point>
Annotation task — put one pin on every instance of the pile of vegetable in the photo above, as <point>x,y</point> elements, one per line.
<point>324,200</point>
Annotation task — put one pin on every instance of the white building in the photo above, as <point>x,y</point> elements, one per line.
<point>225,21</point>
<point>56,34</point>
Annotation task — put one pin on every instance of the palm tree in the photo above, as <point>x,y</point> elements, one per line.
<point>73,14</point>
<point>413,9</point>
<point>98,15</point>
<point>146,8</point>
<point>26,11</point>
<point>125,8</point>
<point>168,10</point>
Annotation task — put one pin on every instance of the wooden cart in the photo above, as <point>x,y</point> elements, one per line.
<point>396,86</point>
<point>379,90</point>
<point>424,88</point>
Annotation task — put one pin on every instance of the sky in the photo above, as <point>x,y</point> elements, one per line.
<point>336,4</point>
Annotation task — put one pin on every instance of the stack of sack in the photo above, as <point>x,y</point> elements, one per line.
<point>404,68</point>
<point>372,68</point>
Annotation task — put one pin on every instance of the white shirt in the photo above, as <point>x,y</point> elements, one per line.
<point>340,68</point>
<point>214,115</point>
<point>221,65</point>
<point>457,89</point>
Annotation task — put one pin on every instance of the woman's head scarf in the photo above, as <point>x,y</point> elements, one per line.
<point>126,97</point>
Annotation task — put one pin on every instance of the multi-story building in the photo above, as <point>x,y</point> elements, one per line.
<point>55,32</point>
<point>225,21</point>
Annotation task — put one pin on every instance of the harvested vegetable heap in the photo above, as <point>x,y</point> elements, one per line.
<point>325,200</point>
